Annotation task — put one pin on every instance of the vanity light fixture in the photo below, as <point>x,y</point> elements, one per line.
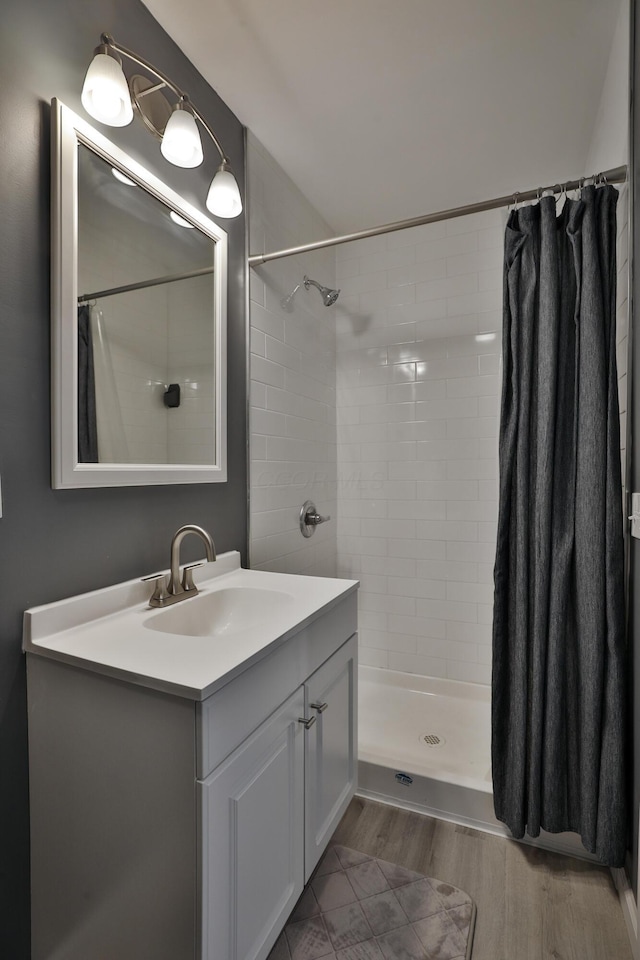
<point>180,220</point>
<point>105,94</point>
<point>119,175</point>
<point>109,98</point>
<point>224,197</point>
<point>181,143</point>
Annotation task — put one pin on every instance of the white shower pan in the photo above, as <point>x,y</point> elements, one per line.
<point>425,744</point>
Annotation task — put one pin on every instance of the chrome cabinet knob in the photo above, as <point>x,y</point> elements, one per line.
<point>307,721</point>
<point>320,707</point>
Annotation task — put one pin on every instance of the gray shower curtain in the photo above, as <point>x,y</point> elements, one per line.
<point>87,425</point>
<point>558,716</point>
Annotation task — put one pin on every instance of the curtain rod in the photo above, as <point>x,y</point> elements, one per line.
<point>615,175</point>
<point>128,287</point>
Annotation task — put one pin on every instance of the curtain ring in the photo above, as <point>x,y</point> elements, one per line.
<point>561,191</point>
<point>550,191</point>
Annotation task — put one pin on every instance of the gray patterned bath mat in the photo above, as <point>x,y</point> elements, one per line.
<point>358,908</point>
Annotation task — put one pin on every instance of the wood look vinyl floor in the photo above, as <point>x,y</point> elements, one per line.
<point>532,905</point>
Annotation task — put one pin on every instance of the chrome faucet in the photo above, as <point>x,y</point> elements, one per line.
<point>165,594</point>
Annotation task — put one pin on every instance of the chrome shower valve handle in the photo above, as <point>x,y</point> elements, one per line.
<point>310,518</point>
<point>315,518</point>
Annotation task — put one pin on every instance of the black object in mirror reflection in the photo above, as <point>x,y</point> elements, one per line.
<point>172,395</point>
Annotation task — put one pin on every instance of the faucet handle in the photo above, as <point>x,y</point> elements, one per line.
<point>187,576</point>
<point>160,591</point>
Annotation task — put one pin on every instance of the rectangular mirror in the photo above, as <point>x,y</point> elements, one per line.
<point>138,322</point>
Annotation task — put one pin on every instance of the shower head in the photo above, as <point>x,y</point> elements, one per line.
<point>328,295</point>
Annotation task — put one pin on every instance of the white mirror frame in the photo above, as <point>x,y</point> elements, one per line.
<point>67,131</point>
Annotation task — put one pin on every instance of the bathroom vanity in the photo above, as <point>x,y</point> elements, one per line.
<point>187,766</point>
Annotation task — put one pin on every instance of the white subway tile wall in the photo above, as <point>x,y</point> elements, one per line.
<point>191,349</point>
<point>137,350</point>
<point>293,379</point>
<point>417,348</point>
<point>418,354</point>
<point>152,337</point>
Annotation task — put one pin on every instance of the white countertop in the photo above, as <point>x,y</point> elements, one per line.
<point>104,630</point>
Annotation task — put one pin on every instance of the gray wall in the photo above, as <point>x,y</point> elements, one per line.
<point>634,584</point>
<point>57,543</point>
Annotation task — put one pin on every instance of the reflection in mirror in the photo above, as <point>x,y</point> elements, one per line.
<point>145,322</point>
<point>138,348</point>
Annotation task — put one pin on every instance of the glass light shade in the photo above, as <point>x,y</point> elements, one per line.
<point>181,144</point>
<point>180,220</point>
<point>105,94</point>
<point>119,175</point>
<point>223,199</point>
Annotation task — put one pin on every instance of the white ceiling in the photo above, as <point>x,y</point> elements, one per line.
<point>385,109</point>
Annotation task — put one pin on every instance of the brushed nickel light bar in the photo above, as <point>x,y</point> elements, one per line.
<point>109,98</point>
<point>615,175</point>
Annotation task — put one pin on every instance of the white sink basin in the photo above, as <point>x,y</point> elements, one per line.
<point>193,647</point>
<point>224,612</point>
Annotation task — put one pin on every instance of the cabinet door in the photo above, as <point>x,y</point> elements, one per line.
<point>331,756</point>
<point>252,823</point>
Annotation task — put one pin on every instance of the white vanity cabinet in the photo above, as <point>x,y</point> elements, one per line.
<point>268,811</point>
<point>331,749</point>
<point>171,827</point>
<point>252,816</point>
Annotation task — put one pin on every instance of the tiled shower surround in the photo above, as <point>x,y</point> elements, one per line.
<point>153,337</point>
<point>293,379</point>
<point>418,353</point>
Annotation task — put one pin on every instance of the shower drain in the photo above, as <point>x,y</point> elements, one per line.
<point>433,740</point>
